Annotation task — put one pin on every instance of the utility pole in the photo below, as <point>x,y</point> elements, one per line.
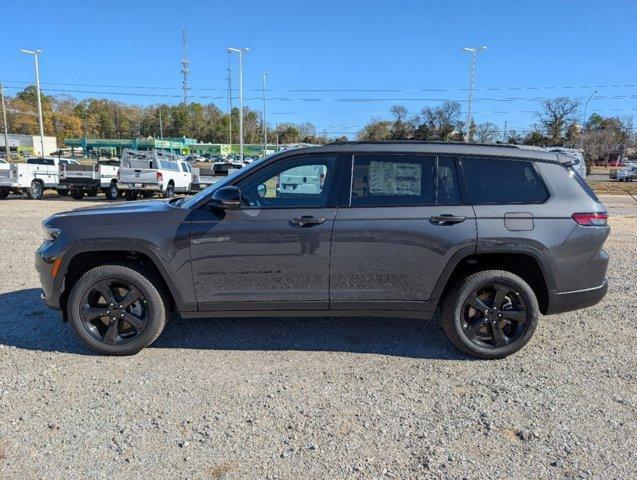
<point>161,129</point>
<point>265,128</point>
<point>472,72</point>
<point>35,54</point>
<point>229,79</point>
<point>240,51</point>
<point>504,136</point>
<point>4,119</point>
<point>185,66</point>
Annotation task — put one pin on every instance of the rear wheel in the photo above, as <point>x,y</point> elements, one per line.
<point>117,309</point>
<point>35,191</point>
<point>131,195</point>
<point>490,314</point>
<point>170,191</point>
<point>112,192</point>
<point>4,193</point>
<point>77,194</point>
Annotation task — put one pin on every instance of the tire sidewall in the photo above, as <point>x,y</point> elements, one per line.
<point>111,191</point>
<point>473,283</point>
<point>155,305</point>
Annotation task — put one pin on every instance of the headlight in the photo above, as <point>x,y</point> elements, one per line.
<point>51,233</point>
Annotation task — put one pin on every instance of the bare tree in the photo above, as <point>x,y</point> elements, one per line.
<point>486,132</point>
<point>555,116</point>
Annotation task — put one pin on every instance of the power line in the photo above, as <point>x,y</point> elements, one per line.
<point>328,90</point>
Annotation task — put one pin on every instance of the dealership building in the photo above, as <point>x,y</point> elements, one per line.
<point>28,145</point>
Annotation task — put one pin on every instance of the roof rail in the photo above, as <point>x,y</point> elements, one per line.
<point>422,142</point>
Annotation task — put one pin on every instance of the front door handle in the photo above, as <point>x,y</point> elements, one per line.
<point>307,221</point>
<point>447,218</point>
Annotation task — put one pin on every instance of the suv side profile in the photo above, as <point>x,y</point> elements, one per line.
<point>490,235</point>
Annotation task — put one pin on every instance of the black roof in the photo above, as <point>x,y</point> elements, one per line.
<point>443,148</point>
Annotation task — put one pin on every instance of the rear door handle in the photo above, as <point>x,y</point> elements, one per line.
<point>447,218</point>
<point>307,221</point>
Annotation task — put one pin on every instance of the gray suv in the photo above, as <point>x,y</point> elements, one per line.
<point>490,235</point>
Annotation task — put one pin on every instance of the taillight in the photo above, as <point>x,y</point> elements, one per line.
<point>96,167</point>
<point>160,177</point>
<point>591,219</point>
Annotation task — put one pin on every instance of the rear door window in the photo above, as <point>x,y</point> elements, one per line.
<point>392,180</point>
<point>492,181</point>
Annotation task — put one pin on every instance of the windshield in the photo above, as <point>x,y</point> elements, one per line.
<point>195,199</point>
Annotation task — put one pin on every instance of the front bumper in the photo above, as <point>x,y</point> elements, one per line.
<point>567,301</point>
<point>44,267</point>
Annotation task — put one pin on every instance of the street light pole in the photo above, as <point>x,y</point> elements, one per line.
<point>472,73</point>
<point>265,128</point>
<point>240,51</point>
<point>581,135</point>
<point>35,54</point>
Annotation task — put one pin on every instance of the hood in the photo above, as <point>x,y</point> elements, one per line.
<point>141,207</point>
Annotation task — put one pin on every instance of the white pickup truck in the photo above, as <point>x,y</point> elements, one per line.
<point>153,171</point>
<point>33,177</point>
<point>89,179</point>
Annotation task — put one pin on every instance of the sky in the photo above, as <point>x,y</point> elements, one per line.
<point>335,63</point>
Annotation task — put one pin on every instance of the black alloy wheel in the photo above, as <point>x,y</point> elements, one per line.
<point>490,314</point>
<point>494,316</point>
<point>113,312</point>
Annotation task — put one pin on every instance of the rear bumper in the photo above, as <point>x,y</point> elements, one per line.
<point>566,301</point>
<point>144,186</point>
<point>80,182</point>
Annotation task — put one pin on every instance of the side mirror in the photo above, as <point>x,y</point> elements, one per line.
<point>226,198</point>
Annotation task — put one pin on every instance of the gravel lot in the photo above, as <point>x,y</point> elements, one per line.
<point>315,398</point>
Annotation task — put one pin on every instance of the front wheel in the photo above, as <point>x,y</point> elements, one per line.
<point>77,194</point>
<point>117,309</point>
<point>131,195</point>
<point>111,192</point>
<point>4,193</point>
<point>490,314</point>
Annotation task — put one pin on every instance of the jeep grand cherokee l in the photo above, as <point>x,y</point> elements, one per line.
<point>493,235</point>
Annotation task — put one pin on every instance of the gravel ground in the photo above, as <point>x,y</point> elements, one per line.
<point>315,398</point>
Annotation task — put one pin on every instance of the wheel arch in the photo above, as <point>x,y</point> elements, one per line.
<point>526,262</point>
<point>79,260</point>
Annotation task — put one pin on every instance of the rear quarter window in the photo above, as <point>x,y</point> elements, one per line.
<point>492,181</point>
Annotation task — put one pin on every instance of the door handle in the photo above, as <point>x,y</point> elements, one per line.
<point>307,221</point>
<point>447,218</point>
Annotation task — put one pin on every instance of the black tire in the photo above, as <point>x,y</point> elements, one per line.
<point>35,191</point>
<point>77,194</point>
<point>131,195</point>
<point>95,333</point>
<point>63,193</point>
<point>4,193</point>
<point>490,333</point>
<point>111,192</point>
<point>91,192</point>
<point>169,192</point>
<point>148,194</point>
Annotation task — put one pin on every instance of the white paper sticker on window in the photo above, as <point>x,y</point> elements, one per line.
<point>394,178</point>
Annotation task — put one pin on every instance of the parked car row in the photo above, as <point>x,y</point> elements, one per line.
<point>138,173</point>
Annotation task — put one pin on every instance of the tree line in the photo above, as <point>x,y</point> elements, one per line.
<point>67,117</point>
<point>600,137</point>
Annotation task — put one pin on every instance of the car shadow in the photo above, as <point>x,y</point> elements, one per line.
<point>26,323</point>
